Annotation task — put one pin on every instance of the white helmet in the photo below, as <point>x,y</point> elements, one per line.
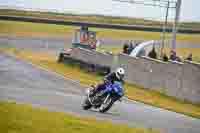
<point>120,72</point>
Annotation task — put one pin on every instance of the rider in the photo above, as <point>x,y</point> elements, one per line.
<point>118,76</point>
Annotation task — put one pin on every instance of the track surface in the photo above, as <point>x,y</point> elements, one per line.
<point>56,44</point>
<point>23,83</point>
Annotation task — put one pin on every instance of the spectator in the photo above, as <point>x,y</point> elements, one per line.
<point>125,48</point>
<point>131,48</point>
<point>178,59</point>
<point>93,46</point>
<point>153,54</point>
<point>189,58</point>
<point>98,44</point>
<point>173,55</point>
<point>165,58</point>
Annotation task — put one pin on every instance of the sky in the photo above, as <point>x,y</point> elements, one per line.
<point>189,9</point>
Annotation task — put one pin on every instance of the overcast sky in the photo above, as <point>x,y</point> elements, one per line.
<point>190,8</point>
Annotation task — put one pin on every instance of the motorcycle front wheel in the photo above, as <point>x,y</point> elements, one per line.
<point>106,106</point>
<point>86,104</point>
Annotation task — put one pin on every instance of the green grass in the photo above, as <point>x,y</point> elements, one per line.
<point>33,29</point>
<point>115,50</point>
<point>133,91</point>
<point>141,35</point>
<point>20,118</point>
<point>51,30</point>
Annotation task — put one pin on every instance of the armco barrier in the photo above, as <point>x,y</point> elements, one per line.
<point>180,80</point>
<point>90,60</point>
<point>92,57</point>
<point>191,82</point>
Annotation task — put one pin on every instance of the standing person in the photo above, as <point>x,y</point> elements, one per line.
<point>189,58</point>
<point>131,47</point>
<point>165,57</point>
<point>172,55</point>
<point>98,45</point>
<point>153,54</point>
<point>125,48</point>
<point>93,44</point>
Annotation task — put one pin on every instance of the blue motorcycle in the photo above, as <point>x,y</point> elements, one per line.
<point>104,99</point>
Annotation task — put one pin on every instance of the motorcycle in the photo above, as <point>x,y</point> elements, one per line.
<point>104,99</point>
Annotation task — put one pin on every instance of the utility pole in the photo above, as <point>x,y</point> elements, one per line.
<point>164,28</point>
<point>169,4</point>
<point>175,28</point>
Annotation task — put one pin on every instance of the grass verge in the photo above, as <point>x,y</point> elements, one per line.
<point>134,92</point>
<point>20,118</point>
<point>51,30</point>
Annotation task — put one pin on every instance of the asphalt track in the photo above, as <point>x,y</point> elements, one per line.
<point>25,83</point>
<point>56,44</point>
